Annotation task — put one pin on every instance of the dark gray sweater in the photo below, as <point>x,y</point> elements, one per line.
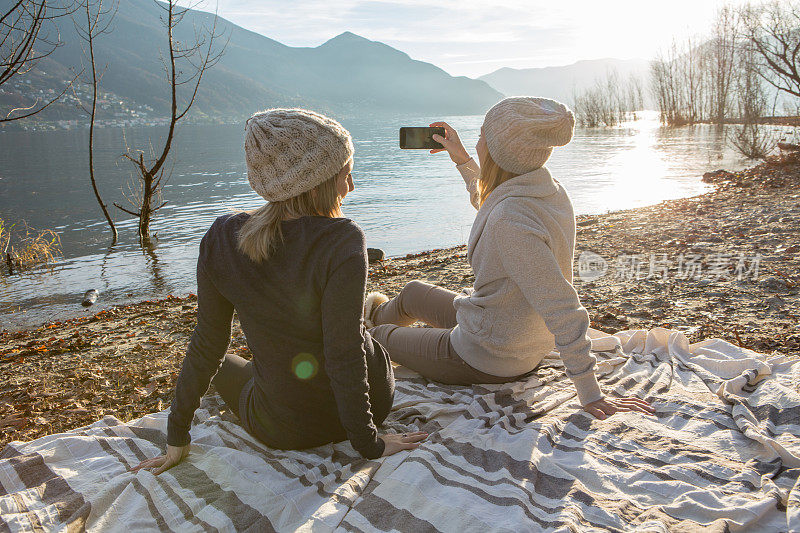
<point>302,315</point>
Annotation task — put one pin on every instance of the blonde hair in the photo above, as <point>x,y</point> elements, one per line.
<point>491,176</point>
<point>261,234</point>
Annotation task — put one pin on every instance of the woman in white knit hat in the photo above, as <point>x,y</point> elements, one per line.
<point>521,250</point>
<point>295,271</point>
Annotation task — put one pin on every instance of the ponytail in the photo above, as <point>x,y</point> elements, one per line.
<point>261,235</point>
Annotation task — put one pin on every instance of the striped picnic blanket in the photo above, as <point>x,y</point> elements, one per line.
<point>722,454</point>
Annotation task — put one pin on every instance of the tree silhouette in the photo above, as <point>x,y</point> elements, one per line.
<point>200,56</point>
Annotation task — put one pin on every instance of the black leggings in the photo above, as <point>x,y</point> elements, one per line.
<point>236,372</point>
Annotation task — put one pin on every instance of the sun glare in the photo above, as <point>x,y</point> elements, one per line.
<point>639,170</point>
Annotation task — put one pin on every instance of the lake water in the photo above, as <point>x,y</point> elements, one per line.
<point>405,200</point>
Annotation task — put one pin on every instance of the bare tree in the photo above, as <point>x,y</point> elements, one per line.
<point>96,21</point>
<point>667,85</point>
<point>24,41</point>
<point>609,101</point>
<point>634,95</point>
<point>691,81</point>
<point>722,53</point>
<point>752,139</point>
<point>774,31</point>
<point>200,56</point>
<point>584,104</point>
<point>751,98</point>
<point>691,68</point>
<point>706,80</point>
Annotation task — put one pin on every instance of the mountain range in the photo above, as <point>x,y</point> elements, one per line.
<point>561,82</point>
<point>347,75</point>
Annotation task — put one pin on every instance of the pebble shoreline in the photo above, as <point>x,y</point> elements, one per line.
<point>672,265</point>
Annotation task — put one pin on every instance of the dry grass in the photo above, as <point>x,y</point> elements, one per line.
<point>24,248</point>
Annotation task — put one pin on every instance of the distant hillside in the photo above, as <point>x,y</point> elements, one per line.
<point>347,75</point>
<point>558,82</point>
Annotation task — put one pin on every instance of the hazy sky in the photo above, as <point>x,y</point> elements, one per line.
<point>475,37</point>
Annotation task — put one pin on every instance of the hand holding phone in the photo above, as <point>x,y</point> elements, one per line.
<point>452,144</point>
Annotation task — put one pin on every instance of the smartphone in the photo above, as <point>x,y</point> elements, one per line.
<point>420,138</point>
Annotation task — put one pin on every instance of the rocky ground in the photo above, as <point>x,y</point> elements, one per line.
<point>723,264</point>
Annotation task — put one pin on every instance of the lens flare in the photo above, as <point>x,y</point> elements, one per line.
<point>305,366</point>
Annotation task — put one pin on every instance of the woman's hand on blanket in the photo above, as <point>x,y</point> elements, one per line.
<point>451,143</point>
<point>397,442</point>
<point>174,455</point>
<point>605,407</point>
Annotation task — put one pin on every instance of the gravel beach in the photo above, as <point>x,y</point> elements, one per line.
<point>723,264</point>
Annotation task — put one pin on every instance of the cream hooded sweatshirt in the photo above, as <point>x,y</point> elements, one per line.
<point>523,304</point>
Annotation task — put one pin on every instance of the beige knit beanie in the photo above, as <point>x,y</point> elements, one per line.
<point>291,151</point>
<point>521,131</point>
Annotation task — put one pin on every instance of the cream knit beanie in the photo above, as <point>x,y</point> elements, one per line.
<point>291,151</point>
<point>521,131</point>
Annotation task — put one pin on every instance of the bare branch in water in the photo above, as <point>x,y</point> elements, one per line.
<point>201,55</point>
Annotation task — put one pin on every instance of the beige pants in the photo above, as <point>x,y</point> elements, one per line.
<point>425,350</point>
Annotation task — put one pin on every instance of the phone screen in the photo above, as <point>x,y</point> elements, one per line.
<point>419,137</point>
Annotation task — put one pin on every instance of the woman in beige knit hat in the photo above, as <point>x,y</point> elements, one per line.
<point>521,250</point>
<point>295,272</point>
